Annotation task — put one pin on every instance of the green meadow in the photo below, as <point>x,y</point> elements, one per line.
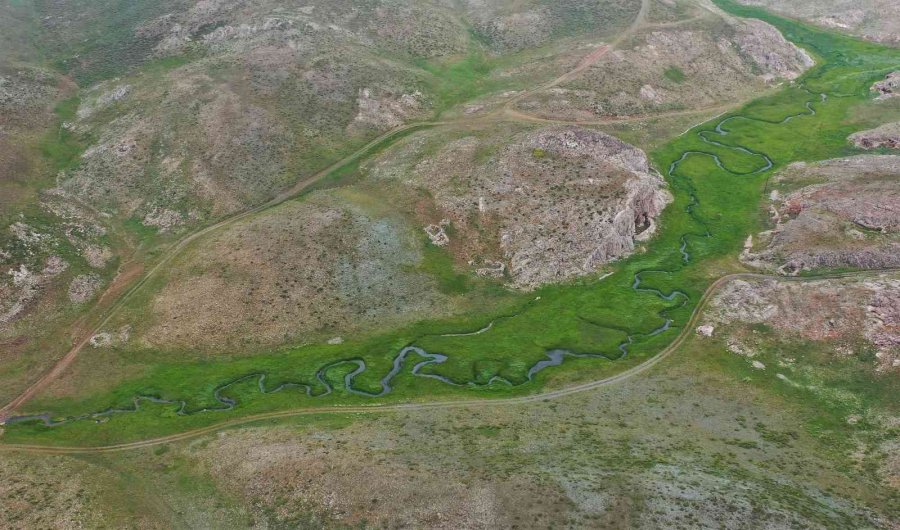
<point>717,180</point>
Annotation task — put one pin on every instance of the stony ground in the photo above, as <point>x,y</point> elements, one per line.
<point>832,214</point>
<point>877,20</point>
<point>702,61</point>
<point>777,433</point>
<point>887,137</point>
<point>535,207</point>
<point>853,318</point>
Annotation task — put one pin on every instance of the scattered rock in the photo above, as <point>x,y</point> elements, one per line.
<point>387,111</point>
<point>25,286</point>
<point>107,339</point>
<point>772,53</point>
<point>837,312</point>
<point>163,219</point>
<point>83,287</point>
<point>705,330</point>
<point>648,93</point>
<point>101,340</point>
<point>97,256</point>
<point>757,365</point>
<point>105,99</point>
<point>494,269</point>
<point>889,87</point>
<point>887,136</point>
<point>28,235</point>
<point>336,340</point>
<point>583,202</point>
<point>845,213</point>
<point>437,235</point>
<point>54,265</point>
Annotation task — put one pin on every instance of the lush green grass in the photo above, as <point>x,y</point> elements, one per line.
<point>714,210</point>
<point>456,81</point>
<point>61,147</point>
<point>673,73</point>
<point>439,263</point>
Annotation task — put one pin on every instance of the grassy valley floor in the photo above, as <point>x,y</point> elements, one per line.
<point>597,327</point>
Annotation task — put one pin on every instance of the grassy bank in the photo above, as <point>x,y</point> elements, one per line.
<point>717,188</point>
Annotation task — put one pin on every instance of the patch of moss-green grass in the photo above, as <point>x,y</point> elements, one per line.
<point>674,74</point>
<point>60,146</point>
<point>455,81</point>
<point>717,177</point>
<point>437,262</point>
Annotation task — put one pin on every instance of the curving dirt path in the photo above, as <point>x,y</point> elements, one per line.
<point>585,63</point>
<point>120,291</point>
<point>685,333</point>
<point>130,280</point>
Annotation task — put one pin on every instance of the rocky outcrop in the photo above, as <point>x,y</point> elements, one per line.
<point>875,20</point>
<point>83,287</point>
<point>24,287</point>
<point>887,136</point>
<point>774,55</point>
<point>850,217</point>
<point>889,87</point>
<point>550,205</point>
<point>675,67</point>
<point>607,196</point>
<point>839,312</point>
<point>386,111</point>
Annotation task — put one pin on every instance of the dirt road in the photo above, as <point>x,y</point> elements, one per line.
<point>129,281</point>
<point>122,289</point>
<point>686,332</point>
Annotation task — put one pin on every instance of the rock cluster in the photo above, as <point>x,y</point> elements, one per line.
<point>850,216</point>
<point>839,312</point>
<point>889,87</point>
<point>887,136</point>
<point>549,205</point>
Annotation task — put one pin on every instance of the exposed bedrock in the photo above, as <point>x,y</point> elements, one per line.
<point>551,204</point>
<point>887,136</point>
<point>833,214</point>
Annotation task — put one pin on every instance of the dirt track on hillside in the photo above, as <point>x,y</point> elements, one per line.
<point>686,332</point>
<point>129,281</point>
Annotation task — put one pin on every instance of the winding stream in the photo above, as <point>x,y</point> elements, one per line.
<point>555,357</point>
